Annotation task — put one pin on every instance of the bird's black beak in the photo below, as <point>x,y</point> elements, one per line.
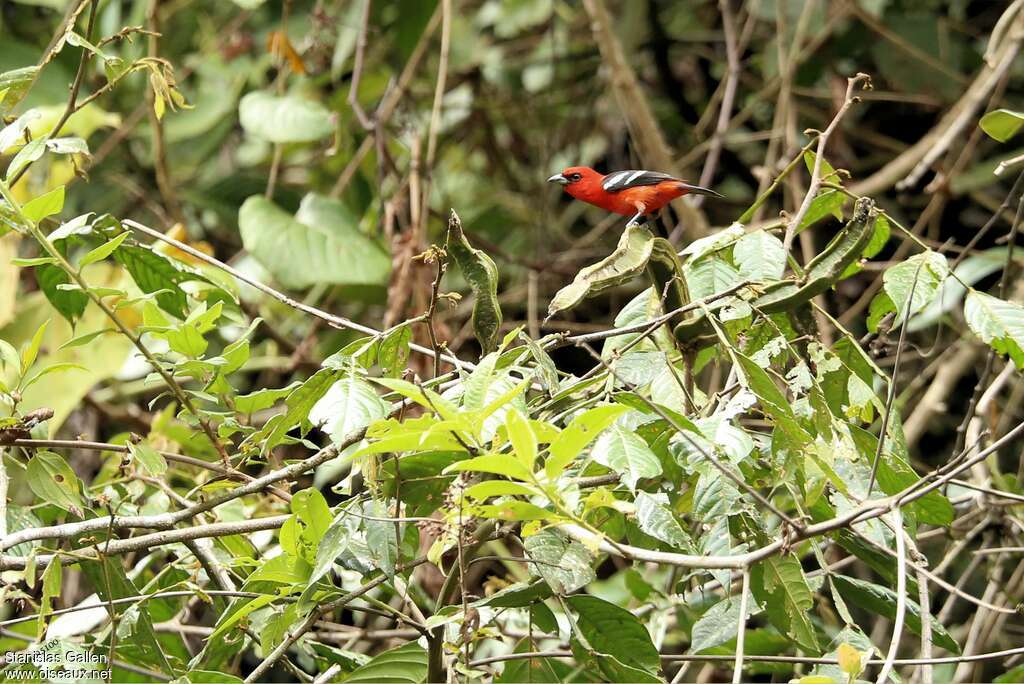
<point>559,178</point>
<point>699,190</point>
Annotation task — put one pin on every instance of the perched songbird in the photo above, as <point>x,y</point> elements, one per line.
<point>630,193</point>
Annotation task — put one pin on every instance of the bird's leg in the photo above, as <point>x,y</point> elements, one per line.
<point>640,217</point>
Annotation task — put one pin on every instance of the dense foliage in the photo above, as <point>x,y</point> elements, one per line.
<point>306,374</point>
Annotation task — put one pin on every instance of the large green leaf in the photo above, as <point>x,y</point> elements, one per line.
<point>482,275</point>
<point>778,583</point>
<point>718,625</point>
<point>759,256</point>
<point>51,479</point>
<point>69,303</point>
<point>882,600</point>
<point>154,272</point>
<point>998,323</point>
<point>929,269</point>
<point>627,454</point>
<point>615,631</point>
<point>284,118</point>
<point>321,244</point>
<point>952,291</point>
<point>563,562</point>
<point>299,405</point>
<point>406,664</point>
<point>654,518</point>
<point>349,404</point>
<point>710,275</point>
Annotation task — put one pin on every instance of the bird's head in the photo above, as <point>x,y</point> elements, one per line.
<point>577,179</point>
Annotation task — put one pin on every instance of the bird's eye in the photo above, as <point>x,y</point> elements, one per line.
<point>575,177</point>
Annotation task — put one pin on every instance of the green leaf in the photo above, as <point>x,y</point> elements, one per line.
<point>334,542</point>
<point>229,620</point>
<point>498,464</point>
<point>524,441</point>
<point>13,134</point>
<point>488,488</point>
<point>564,563</point>
<point>262,399</point>
<point>952,291</point>
<point>482,275</point>
<point>350,404</point>
<point>110,581</point>
<point>710,275</point>
<point>655,519</point>
<point>51,589</point>
<point>626,454</point>
<point>615,631</point>
<point>153,272</point>
<point>828,203</point>
<point>406,664</point>
<point>772,400</point>
<point>45,205</point>
<point>381,539</point>
<point>149,458</point>
<point>312,509</point>
<point>1011,676</point>
<point>882,601</point>
<point>583,429</point>
<point>31,351</point>
<point>52,481</point>
<point>515,510</point>
<point>299,403</point>
<point>14,84</point>
<point>26,155</point>
<point>321,244</point>
<point>896,474</point>
<point>998,323</point>
<point>928,268</point>
<point>1002,124</point>
<point>422,396</point>
<point>778,583</point>
<point>103,251</point>
<point>69,303</point>
<point>519,595</point>
<point>716,626</point>
<point>759,256</point>
<point>284,118</point>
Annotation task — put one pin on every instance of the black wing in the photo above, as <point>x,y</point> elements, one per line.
<point>622,180</point>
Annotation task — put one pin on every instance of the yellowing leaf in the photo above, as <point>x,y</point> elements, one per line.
<point>849,659</point>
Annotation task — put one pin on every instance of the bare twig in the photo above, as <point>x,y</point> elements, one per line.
<point>862,80</point>
<point>896,520</point>
<point>741,628</point>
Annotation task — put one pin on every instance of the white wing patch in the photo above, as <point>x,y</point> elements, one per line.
<point>622,180</point>
<point>614,179</point>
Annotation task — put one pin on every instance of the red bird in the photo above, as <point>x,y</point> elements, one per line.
<point>630,193</point>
